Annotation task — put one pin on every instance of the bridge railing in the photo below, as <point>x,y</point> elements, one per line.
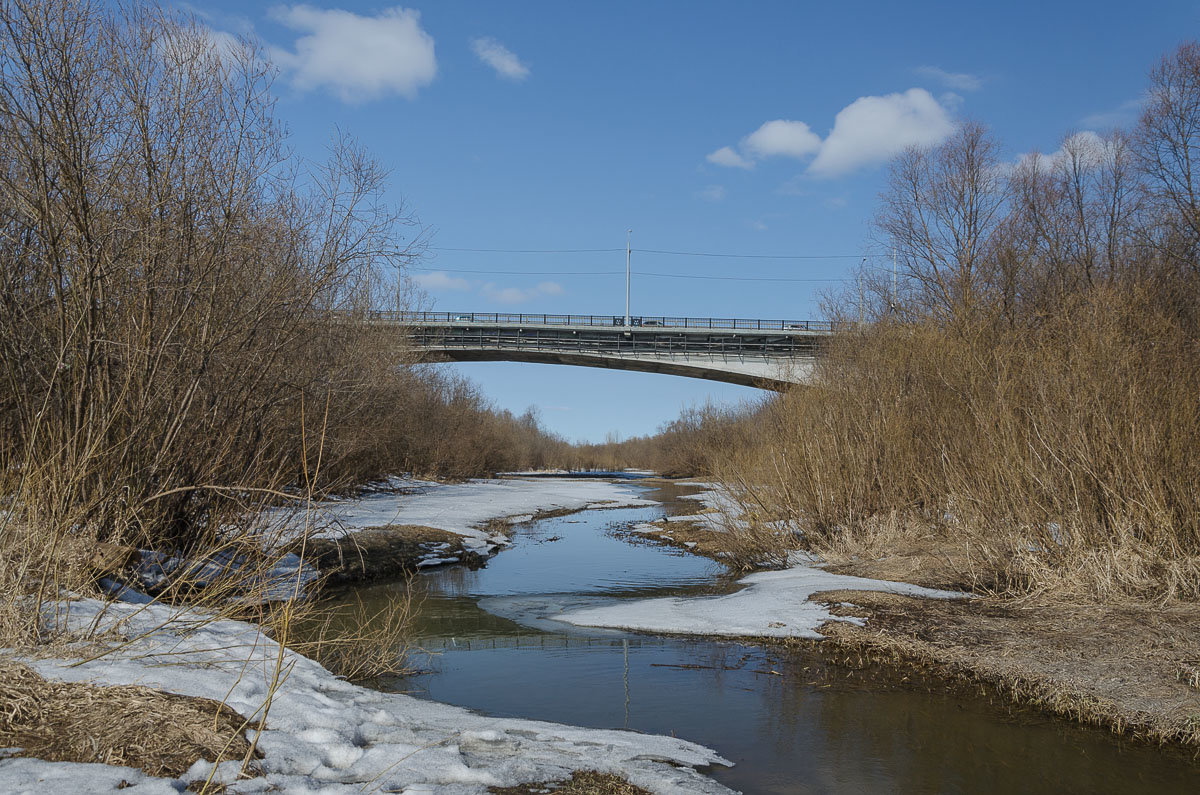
<point>609,321</point>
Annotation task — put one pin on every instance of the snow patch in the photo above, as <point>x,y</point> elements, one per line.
<point>772,604</point>
<point>462,508</point>
<point>325,734</point>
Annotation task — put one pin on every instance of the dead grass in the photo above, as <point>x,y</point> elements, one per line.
<point>1117,667</point>
<point>159,733</point>
<point>680,533</point>
<point>582,782</point>
<point>357,642</point>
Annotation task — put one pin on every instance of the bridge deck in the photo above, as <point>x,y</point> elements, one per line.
<point>764,353</point>
<point>823,327</point>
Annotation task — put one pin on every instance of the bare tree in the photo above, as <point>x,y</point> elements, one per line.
<point>175,281</point>
<point>1167,144</point>
<point>940,210</point>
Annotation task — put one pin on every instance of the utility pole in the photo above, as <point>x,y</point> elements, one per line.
<point>892,303</point>
<point>628,235</point>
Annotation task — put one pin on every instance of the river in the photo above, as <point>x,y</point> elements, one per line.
<point>791,721</point>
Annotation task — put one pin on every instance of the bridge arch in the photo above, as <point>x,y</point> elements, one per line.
<point>768,354</point>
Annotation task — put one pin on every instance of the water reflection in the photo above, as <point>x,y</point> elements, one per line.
<point>792,723</point>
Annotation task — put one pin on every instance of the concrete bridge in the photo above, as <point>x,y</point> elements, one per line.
<point>768,354</point>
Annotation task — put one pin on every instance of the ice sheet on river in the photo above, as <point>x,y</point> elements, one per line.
<point>326,735</point>
<point>463,508</point>
<point>772,604</point>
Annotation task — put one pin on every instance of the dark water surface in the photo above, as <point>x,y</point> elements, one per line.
<point>793,722</point>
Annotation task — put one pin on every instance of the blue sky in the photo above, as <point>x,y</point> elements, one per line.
<point>750,129</point>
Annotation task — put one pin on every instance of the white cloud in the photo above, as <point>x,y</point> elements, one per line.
<point>503,60</point>
<point>725,156</point>
<point>872,129</point>
<point>758,226</point>
<point>959,81</point>
<point>1088,147</point>
<point>1123,114</point>
<point>518,295</point>
<point>868,130</point>
<point>358,58</point>
<point>440,280</point>
<point>781,137</point>
<point>713,193</point>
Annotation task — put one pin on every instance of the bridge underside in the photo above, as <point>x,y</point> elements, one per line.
<point>773,373</point>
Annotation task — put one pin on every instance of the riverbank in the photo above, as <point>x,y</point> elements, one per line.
<point>313,731</point>
<point>307,728</point>
<point>405,525</point>
<point>1128,669</point>
<point>1133,668</point>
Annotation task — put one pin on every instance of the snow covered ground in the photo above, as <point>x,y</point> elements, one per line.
<point>462,508</point>
<point>772,604</point>
<point>326,735</point>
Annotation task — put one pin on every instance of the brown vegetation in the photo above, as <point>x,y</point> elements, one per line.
<point>1111,666</point>
<point>1024,392</point>
<point>182,305</point>
<point>581,782</point>
<point>183,330</point>
<point>159,733</point>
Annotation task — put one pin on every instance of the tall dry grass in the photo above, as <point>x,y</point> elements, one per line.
<point>1026,388</point>
<point>1064,456</point>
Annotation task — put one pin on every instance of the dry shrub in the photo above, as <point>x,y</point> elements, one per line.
<point>159,733</point>
<point>1064,451</point>
<point>358,642</point>
<point>581,782</point>
<point>1028,386</point>
<point>185,311</point>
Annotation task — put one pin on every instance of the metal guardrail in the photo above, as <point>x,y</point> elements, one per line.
<point>604,342</point>
<point>610,321</point>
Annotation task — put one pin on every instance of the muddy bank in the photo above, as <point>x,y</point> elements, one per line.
<point>380,553</point>
<point>1127,669</point>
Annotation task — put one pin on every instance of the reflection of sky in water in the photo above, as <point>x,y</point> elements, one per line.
<point>492,650</point>
<point>583,558</point>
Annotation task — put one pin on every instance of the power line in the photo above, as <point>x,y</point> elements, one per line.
<point>635,273</point>
<point>734,278</point>
<point>522,273</point>
<point>530,250</point>
<point>644,251</point>
<point>747,256</point>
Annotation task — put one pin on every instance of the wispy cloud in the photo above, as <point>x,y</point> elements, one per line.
<point>712,193</point>
<point>357,58</point>
<point>1087,148</point>
<point>782,137</point>
<point>958,81</point>
<point>503,60</point>
<point>520,295</point>
<point>867,131</point>
<point>440,280</point>
<point>1120,116</point>
<point>726,156</point>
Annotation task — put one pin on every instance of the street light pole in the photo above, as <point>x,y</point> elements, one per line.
<point>628,234</point>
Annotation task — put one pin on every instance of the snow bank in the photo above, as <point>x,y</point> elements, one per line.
<point>324,734</point>
<point>462,507</point>
<point>773,604</point>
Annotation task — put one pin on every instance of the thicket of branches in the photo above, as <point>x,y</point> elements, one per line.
<point>179,295</point>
